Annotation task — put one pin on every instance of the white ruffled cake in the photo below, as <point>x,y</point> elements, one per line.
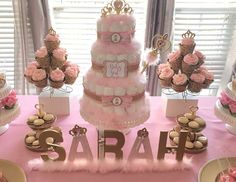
<point>6,115</point>
<point>114,89</point>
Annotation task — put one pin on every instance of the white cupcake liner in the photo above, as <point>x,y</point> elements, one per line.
<point>7,116</point>
<point>224,114</point>
<point>4,92</point>
<point>229,92</point>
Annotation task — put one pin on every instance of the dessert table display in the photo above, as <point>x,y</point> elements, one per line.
<point>9,108</point>
<point>225,107</point>
<point>219,145</point>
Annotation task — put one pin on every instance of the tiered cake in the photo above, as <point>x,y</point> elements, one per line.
<point>225,107</point>
<point>9,108</point>
<point>114,88</point>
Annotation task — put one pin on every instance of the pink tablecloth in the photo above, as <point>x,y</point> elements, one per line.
<point>221,143</point>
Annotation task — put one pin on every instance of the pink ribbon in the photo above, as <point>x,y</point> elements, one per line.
<point>122,36</point>
<point>124,101</point>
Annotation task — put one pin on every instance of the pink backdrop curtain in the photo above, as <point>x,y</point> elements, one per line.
<point>159,20</point>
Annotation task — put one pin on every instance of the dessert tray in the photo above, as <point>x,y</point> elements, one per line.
<point>12,172</point>
<point>211,170</point>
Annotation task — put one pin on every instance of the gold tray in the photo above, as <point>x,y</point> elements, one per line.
<point>210,171</point>
<point>12,172</point>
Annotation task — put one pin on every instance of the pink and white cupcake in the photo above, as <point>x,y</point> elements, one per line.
<point>39,78</point>
<point>70,75</point>
<point>209,78</point>
<point>190,63</point>
<point>29,72</point>
<point>56,78</point>
<point>59,57</point>
<point>161,67</point>
<point>52,40</point>
<point>187,44</point>
<point>42,57</point>
<point>175,60</point>
<point>166,76</point>
<point>200,56</point>
<point>196,82</point>
<point>179,82</point>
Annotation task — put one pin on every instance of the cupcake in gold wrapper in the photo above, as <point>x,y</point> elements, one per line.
<point>196,82</point>
<point>179,82</point>
<point>56,78</point>
<point>187,44</point>
<point>51,40</point>
<point>165,77</point>
<point>39,78</point>
<point>42,57</point>
<point>58,58</point>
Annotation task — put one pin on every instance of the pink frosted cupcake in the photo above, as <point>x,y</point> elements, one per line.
<point>200,56</point>
<point>70,75</point>
<point>52,40</point>
<point>179,82</point>
<point>175,60</point>
<point>166,76</point>
<point>39,78</point>
<point>57,78</point>
<point>190,63</point>
<point>209,78</point>
<point>29,72</point>
<point>58,58</point>
<point>161,67</point>
<point>196,82</point>
<point>187,44</point>
<point>42,57</point>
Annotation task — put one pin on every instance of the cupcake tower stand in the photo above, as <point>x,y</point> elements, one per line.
<point>7,115</point>
<point>196,141</point>
<point>224,113</point>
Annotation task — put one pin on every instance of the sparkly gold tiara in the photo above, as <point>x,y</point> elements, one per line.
<point>116,7</point>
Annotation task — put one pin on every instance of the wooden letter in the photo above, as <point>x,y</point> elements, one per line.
<point>79,136</point>
<point>163,149</point>
<point>57,136</point>
<point>141,139</point>
<point>105,148</point>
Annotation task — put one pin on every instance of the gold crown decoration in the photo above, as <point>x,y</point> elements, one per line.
<point>51,31</point>
<point>116,7</point>
<point>188,34</point>
<point>160,43</point>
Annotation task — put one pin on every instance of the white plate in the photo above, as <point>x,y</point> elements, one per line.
<point>12,172</point>
<point>211,169</point>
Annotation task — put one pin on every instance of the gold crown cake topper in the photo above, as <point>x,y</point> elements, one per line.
<point>51,31</point>
<point>116,7</point>
<point>188,34</point>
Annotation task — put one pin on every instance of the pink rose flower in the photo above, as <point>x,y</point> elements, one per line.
<point>10,100</point>
<point>224,99</point>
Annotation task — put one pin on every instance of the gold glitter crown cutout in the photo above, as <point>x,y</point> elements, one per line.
<point>116,7</point>
<point>188,34</point>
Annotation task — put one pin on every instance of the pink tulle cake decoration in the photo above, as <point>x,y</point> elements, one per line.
<point>114,88</point>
